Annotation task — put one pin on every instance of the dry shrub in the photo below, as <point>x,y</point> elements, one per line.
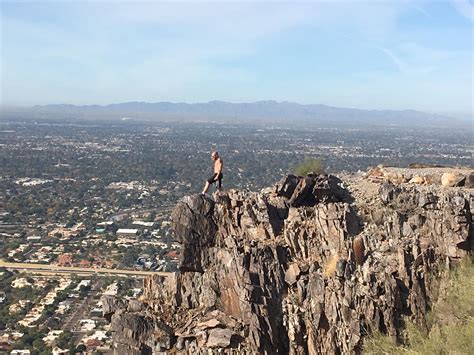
<point>330,265</point>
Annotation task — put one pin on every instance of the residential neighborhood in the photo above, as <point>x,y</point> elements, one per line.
<point>59,313</point>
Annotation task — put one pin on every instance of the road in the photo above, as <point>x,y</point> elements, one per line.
<point>55,269</point>
<point>85,304</point>
<point>142,210</point>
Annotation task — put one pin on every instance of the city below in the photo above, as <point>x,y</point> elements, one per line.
<point>85,206</point>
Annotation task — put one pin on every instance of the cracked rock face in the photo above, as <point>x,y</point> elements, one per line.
<point>307,267</point>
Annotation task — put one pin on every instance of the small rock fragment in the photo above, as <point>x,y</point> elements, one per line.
<point>219,338</point>
<point>359,250</point>
<point>211,323</point>
<point>292,273</point>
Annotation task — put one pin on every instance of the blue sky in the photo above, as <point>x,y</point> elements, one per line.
<point>372,54</point>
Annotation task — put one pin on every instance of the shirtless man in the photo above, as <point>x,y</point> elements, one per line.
<point>217,177</point>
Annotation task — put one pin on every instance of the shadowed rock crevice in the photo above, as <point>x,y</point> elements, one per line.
<point>306,267</point>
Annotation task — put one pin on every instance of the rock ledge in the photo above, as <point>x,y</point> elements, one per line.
<point>306,267</point>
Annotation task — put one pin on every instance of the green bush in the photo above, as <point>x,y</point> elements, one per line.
<point>81,348</point>
<point>65,340</point>
<point>309,165</point>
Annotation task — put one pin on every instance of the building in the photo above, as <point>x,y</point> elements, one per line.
<point>20,352</point>
<point>144,224</point>
<point>33,238</point>
<point>65,259</point>
<point>52,336</point>
<point>127,231</point>
<point>106,226</point>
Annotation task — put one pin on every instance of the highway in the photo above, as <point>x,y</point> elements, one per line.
<point>55,269</point>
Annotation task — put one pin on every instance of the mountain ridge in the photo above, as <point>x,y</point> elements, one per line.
<point>264,110</point>
<point>158,104</point>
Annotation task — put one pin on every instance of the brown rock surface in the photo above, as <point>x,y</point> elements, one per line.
<point>308,269</point>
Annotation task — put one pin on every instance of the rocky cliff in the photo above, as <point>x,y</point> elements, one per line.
<point>309,266</point>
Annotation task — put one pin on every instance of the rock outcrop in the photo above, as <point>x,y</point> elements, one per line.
<point>308,267</point>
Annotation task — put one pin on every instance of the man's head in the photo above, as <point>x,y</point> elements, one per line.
<point>214,155</point>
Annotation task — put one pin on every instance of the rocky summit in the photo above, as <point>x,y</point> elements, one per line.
<point>309,266</point>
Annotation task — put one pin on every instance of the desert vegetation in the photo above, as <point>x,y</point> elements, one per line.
<point>451,321</point>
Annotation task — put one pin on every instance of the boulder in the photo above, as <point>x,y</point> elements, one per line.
<point>452,179</point>
<point>469,181</point>
<point>287,185</point>
<point>194,227</point>
<point>376,173</point>
<point>302,194</point>
<point>417,179</point>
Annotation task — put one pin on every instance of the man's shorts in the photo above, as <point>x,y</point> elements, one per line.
<point>214,178</point>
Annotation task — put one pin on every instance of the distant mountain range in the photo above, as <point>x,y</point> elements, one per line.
<point>274,112</point>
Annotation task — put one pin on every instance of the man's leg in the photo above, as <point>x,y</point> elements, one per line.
<point>208,183</point>
<point>206,187</point>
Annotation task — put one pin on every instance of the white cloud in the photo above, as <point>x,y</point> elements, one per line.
<point>465,8</point>
<point>413,59</point>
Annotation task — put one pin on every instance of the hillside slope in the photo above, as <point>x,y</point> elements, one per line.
<point>312,265</point>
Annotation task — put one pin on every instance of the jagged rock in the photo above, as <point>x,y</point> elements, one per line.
<point>340,267</point>
<point>469,181</point>
<point>328,188</point>
<point>219,338</point>
<point>135,306</point>
<point>308,267</point>
<point>302,195</point>
<point>376,173</point>
<point>287,186</point>
<point>180,344</point>
<point>110,305</point>
<point>140,334</point>
<point>307,191</point>
<point>195,230</point>
<point>398,179</point>
<point>358,249</point>
<point>211,323</point>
